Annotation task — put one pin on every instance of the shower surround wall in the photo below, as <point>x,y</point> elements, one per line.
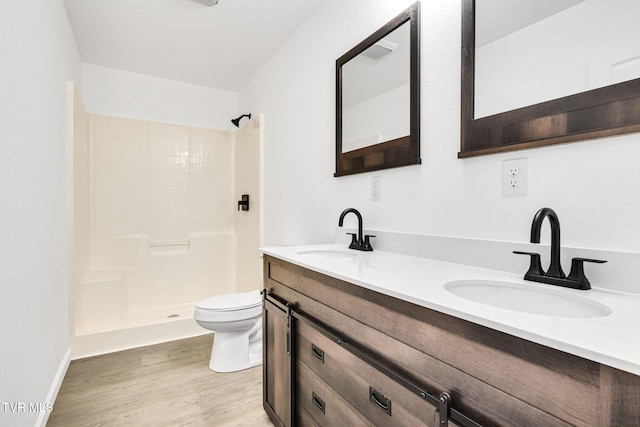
<point>163,230</point>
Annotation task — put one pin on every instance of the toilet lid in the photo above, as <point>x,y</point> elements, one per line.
<point>231,302</point>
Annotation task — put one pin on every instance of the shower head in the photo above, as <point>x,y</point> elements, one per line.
<point>207,2</point>
<point>237,121</point>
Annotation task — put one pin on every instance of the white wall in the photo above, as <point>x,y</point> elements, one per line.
<point>38,57</point>
<point>592,185</point>
<point>137,96</point>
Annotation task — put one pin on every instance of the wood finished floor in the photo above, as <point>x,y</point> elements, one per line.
<point>167,384</point>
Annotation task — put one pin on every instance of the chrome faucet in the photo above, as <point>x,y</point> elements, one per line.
<point>358,243</point>
<point>554,275</point>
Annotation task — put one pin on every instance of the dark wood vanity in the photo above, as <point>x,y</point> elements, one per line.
<point>338,354</point>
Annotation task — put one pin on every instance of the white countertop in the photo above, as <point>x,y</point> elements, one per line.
<point>612,340</point>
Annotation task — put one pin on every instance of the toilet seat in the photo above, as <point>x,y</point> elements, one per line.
<point>231,302</point>
<point>229,307</point>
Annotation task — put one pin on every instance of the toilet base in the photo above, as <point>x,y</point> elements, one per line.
<point>233,352</point>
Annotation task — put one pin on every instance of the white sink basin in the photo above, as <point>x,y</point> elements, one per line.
<point>528,299</point>
<point>328,253</point>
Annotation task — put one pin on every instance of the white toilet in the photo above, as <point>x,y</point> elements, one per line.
<point>237,322</point>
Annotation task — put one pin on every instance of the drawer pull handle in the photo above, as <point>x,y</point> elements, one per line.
<point>380,401</point>
<point>317,353</point>
<point>317,401</point>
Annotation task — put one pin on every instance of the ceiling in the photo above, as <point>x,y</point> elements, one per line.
<point>498,18</point>
<point>221,46</point>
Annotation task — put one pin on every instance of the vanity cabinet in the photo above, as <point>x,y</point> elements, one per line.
<point>340,354</point>
<point>276,333</point>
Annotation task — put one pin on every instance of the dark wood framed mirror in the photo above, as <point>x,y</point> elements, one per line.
<point>378,99</point>
<point>607,108</point>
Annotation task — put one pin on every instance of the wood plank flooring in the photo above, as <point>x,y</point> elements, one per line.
<point>167,384</point>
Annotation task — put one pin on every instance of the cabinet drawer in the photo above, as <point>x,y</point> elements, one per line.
<point>383,401</point>
<point>303,419</point>
<point>322,403</point>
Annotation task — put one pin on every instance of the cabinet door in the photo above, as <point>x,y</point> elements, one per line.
<point>277,367</point>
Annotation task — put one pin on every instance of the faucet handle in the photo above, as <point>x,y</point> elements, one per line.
<point>366,246</point>
<point>577,271</point>
<point>535,266</point>
<point>354,241</point>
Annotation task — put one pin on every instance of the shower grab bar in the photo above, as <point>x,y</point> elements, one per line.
<point>185,243</point>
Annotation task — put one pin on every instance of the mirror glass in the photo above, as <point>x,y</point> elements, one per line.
<point>532,51</point>
<point>545,72</point>
<point>377,99</point>
<point>375,92</point>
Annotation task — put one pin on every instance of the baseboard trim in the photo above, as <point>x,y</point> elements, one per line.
<point>55,388</point>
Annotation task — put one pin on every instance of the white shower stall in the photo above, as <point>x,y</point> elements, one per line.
<point>156,226</point>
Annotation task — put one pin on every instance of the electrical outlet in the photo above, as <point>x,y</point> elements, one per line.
<point>376,188</point>
<point>515,177</point>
